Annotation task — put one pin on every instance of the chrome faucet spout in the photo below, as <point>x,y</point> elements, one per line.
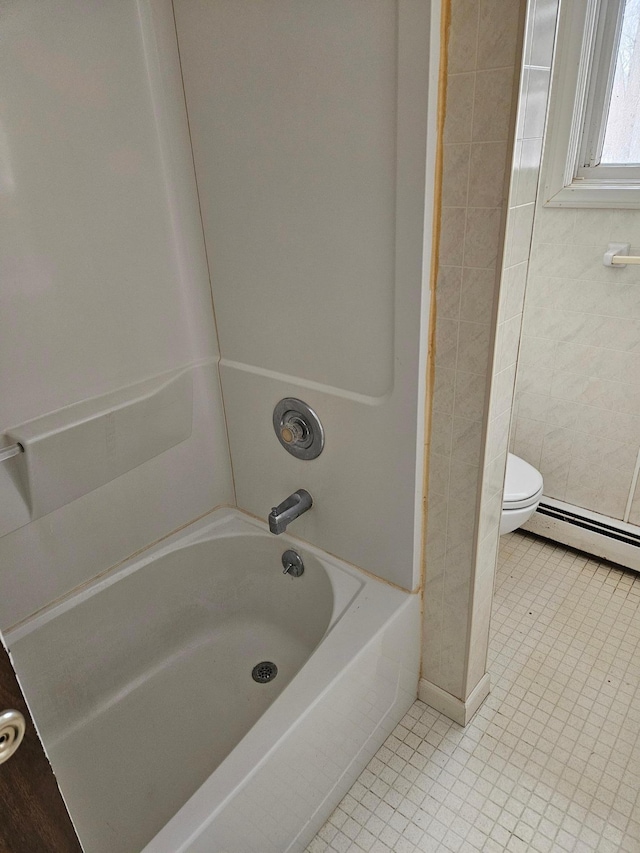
<point>291,508</point>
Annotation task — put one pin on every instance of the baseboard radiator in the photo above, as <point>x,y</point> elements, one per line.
<point>588,531</point>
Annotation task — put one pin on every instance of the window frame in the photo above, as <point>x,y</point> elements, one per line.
<point>584,65</point>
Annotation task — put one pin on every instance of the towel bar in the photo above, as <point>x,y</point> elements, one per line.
<point>10,451</point>
<point>617,255</point>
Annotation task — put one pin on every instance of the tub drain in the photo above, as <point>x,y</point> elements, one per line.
<point>264,671</point>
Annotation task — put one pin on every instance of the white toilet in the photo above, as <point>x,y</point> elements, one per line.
<point>522,492</point>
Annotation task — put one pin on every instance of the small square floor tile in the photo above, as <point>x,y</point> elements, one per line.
<point>551,762</point>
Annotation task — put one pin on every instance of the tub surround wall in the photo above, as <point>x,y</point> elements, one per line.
<point>309,125</point>
<point>314,214</point>
<point>483,66</point>
<point>104,275</point>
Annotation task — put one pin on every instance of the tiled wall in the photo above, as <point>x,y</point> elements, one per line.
<point>483,65</point>
<point>578,389</point>
<point>532,106</point>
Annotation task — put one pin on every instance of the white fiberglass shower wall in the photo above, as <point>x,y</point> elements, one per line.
<point>311,128</point>
<point>309,131</point>
<point>107,342</point>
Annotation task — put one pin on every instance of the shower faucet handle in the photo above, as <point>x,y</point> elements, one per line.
<point>294,431</point>
<point>298,428</point>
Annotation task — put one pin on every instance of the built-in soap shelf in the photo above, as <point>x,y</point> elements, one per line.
<point>77,449</point>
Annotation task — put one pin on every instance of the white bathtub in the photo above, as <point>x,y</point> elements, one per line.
<point>162,742</point>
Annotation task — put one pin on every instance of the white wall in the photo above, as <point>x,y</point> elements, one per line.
<point>103,275</point>
<point>309,129</point>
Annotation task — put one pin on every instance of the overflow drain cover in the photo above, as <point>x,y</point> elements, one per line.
<point>264,671</point>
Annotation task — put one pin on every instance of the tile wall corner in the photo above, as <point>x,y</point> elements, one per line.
<point>483,69</point>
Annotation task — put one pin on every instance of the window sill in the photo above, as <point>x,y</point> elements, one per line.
<point>604,194</point>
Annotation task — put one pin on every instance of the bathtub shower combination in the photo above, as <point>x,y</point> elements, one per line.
<point>218,253</point>
<point>202,698</point>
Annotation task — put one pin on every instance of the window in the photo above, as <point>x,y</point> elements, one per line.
<point>622,127</point>
<point>594,122</point>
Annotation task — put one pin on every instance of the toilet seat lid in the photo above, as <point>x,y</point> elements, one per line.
<point>523,483</point>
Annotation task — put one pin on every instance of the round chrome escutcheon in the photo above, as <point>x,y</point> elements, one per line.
<point>298,428</point>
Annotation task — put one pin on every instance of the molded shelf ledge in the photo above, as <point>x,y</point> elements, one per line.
<point>77,449</point>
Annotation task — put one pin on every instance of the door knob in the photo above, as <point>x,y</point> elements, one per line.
<point>12,728</point>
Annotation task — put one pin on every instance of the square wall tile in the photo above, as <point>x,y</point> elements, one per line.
<point>439,465</point>
<point>463,36</point>
<point>478,295</point>
<point>522,102</point>
<point>479,647</point>
<point>601,489</point>
<point>444,389</point>
<point>452,230</point>
<point>498,33</point>
<point>519,232</point>
<point>494,470</point>
<point>533,379</point>
<point>455,174</point>
<point>482,237</point>
<point>509,341</point>
<point>488,551</point>
<point>502,391</point>
<point>441,433</point>
<point>498,435</point>
<point>492,105</point>
<point>528,171</point>
<point>487,170</point>
<point>591,227</point>
<point>448,289</point>
<point>553,225</point>
<point>513,285</point>
<point>536,103</point>
<point>470,393</point>
<point>437,532</point>
<point>490,511</point>
<point>466,440</point>
<point>528,438</point>
<point>543,33</point>
<point>446,343</point>
<point>474,348</point>
<point>555,460</point>
<point>459,114</point>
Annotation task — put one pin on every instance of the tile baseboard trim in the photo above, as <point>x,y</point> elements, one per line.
<point>457,710</point>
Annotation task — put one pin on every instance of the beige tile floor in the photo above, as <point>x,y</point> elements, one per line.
<point>551,762</point>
